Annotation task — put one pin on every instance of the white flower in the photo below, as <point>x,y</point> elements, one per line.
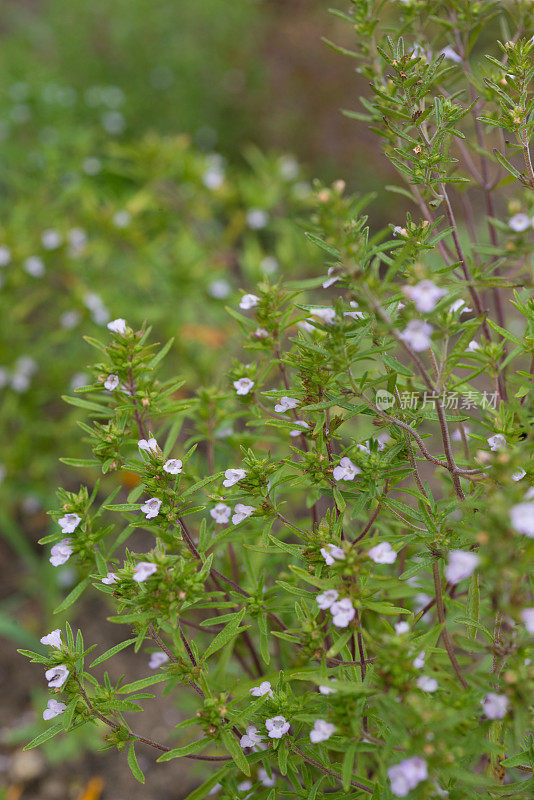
<point>407,775</point>
<point>34,266</point>
<point>69,319</point>
<point>451,54</point>
<point>326,690</point>
<point>53,639</point>
<point>249,301</point>
<point>522,518</point>
<point>457,434</point>
<point>419,661</point>
<point>53,709</point>
<point>121,219</point>
<point>332,553</point>
<point>382,553</point>
<point>173,466</point>
<point>5,255</point>
<point>221,513</point>
<point>213,178</point>
<point>364,448</point>
<point>241,512</point>
<point>232,476</point>
<point>261,690</point>
<point>157,660</point>
<point>243,386</point>
<point>342,612</point>
<point>143,570</point>
<point>527,615</point>
<point>425,295</point>
<point>251,737</point>
<point>496,442</point>
<point>110,579</point>
<point>461,565</point>
<point>383,440</point>
<point>219,289</point>
<point>473,346</point>
<point>417,334</point>
<point>261,333</point>
<point>77,239</point>
<point>264,778</point>
<point>69,523</point>
<point>401,627</point>
<point>57,676</point>
<point>257,218</point>
<point>92,165</point>
<point>332,278</point>
<point>111,382</point>
<point>518,474</point>
<point>148,445</point>
<point>118,326</point>
<point>495,705</point>
<point>327,314</point>
<point>519,222</point>
<point>285,404</point>
<point>60,553</point>
<point>326,599</point>
<point>51,239</point>
<point>322,731</point>
<point>151,508</point>
<point>277,726</point>
<point>398,230</point>
<point>460,305</point>
<point>354,314</point>
<point>269,265</point>
<point>303,425</point>
<point>346,470</point>
<point>426,683</point>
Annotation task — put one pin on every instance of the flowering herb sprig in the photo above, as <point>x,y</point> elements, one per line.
<point>335,577</point>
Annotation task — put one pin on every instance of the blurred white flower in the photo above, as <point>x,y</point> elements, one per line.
<point>427,684</point>
<point>53,639</point>
<point>51,239</point>
<point>261,690</point>
<point>257,218</point>
<point>332,553</point>
<point>460,565</point>
<point>419,661</point>
<point>519,222</point>
<point>407,775</point>
<point>496,442</point>
<point>326,690</point>
<point>461,306</point>
<point>522,518</point>
<point>518,474</point>
<point>269,265</point>
<point>121,219</point>
<point>327,314</point>
<point>5,255</point>
<point>221,513</point>
<point>285,404</point>
<point>297,432</point>
<point>249,301</point>
<point>91,165</point>
<point>69,522</point>
<point>53,709</point>
<point>450,54</point>
<point>417,334</point>
<point>111,382</point>
<point>261,333</point>
<point>148,445</point>
<point>173,466</point>
<point>473,346</point>
<point>495,705</point>
<point>321,731</point>
<point>118,326</point>
<point>527,615</point>
<point>34,266</point>
<point>151,508</point>
<point>264,778</point>
<point>60,553</point>
<point>346,470</point>
<point>425,295</point>
<point>113,122</point>
<point>342,612</point>
<point>401,627</point>
<point>57,676</point>
<point>332,278</point>
<point>382,553</point>
<point>69,319</point>
<point>241,512</point>
<point>143,570</point>
<point>219,289</point>
<point>326,599</point>
<point>157,660</point>
<point>110,579</point>
<point>232,476</point>
<point>251,738</point>
<point>243,386</point>
<point>277,727</point>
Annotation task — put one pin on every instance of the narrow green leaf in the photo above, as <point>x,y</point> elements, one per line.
<point>111,652</point>
<point>73,595</point>
<point>134,765</point>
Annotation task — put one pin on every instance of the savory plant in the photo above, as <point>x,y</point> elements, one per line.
<point>332,562</point>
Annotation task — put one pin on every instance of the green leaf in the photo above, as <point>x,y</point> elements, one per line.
<point>44,737</point>
<point>73,595</point>
<point>338,497</point>
<point>236,751</point>
<point>137,685</point>
<point>80,462</point>
<point>179,752</point>
<point>202,791</point>
<point>226,635</point>
<point>88,405</point>
<point>348,766</point>
<point>111,652</point>
<point>473,604</point>
<point>134,765</point>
